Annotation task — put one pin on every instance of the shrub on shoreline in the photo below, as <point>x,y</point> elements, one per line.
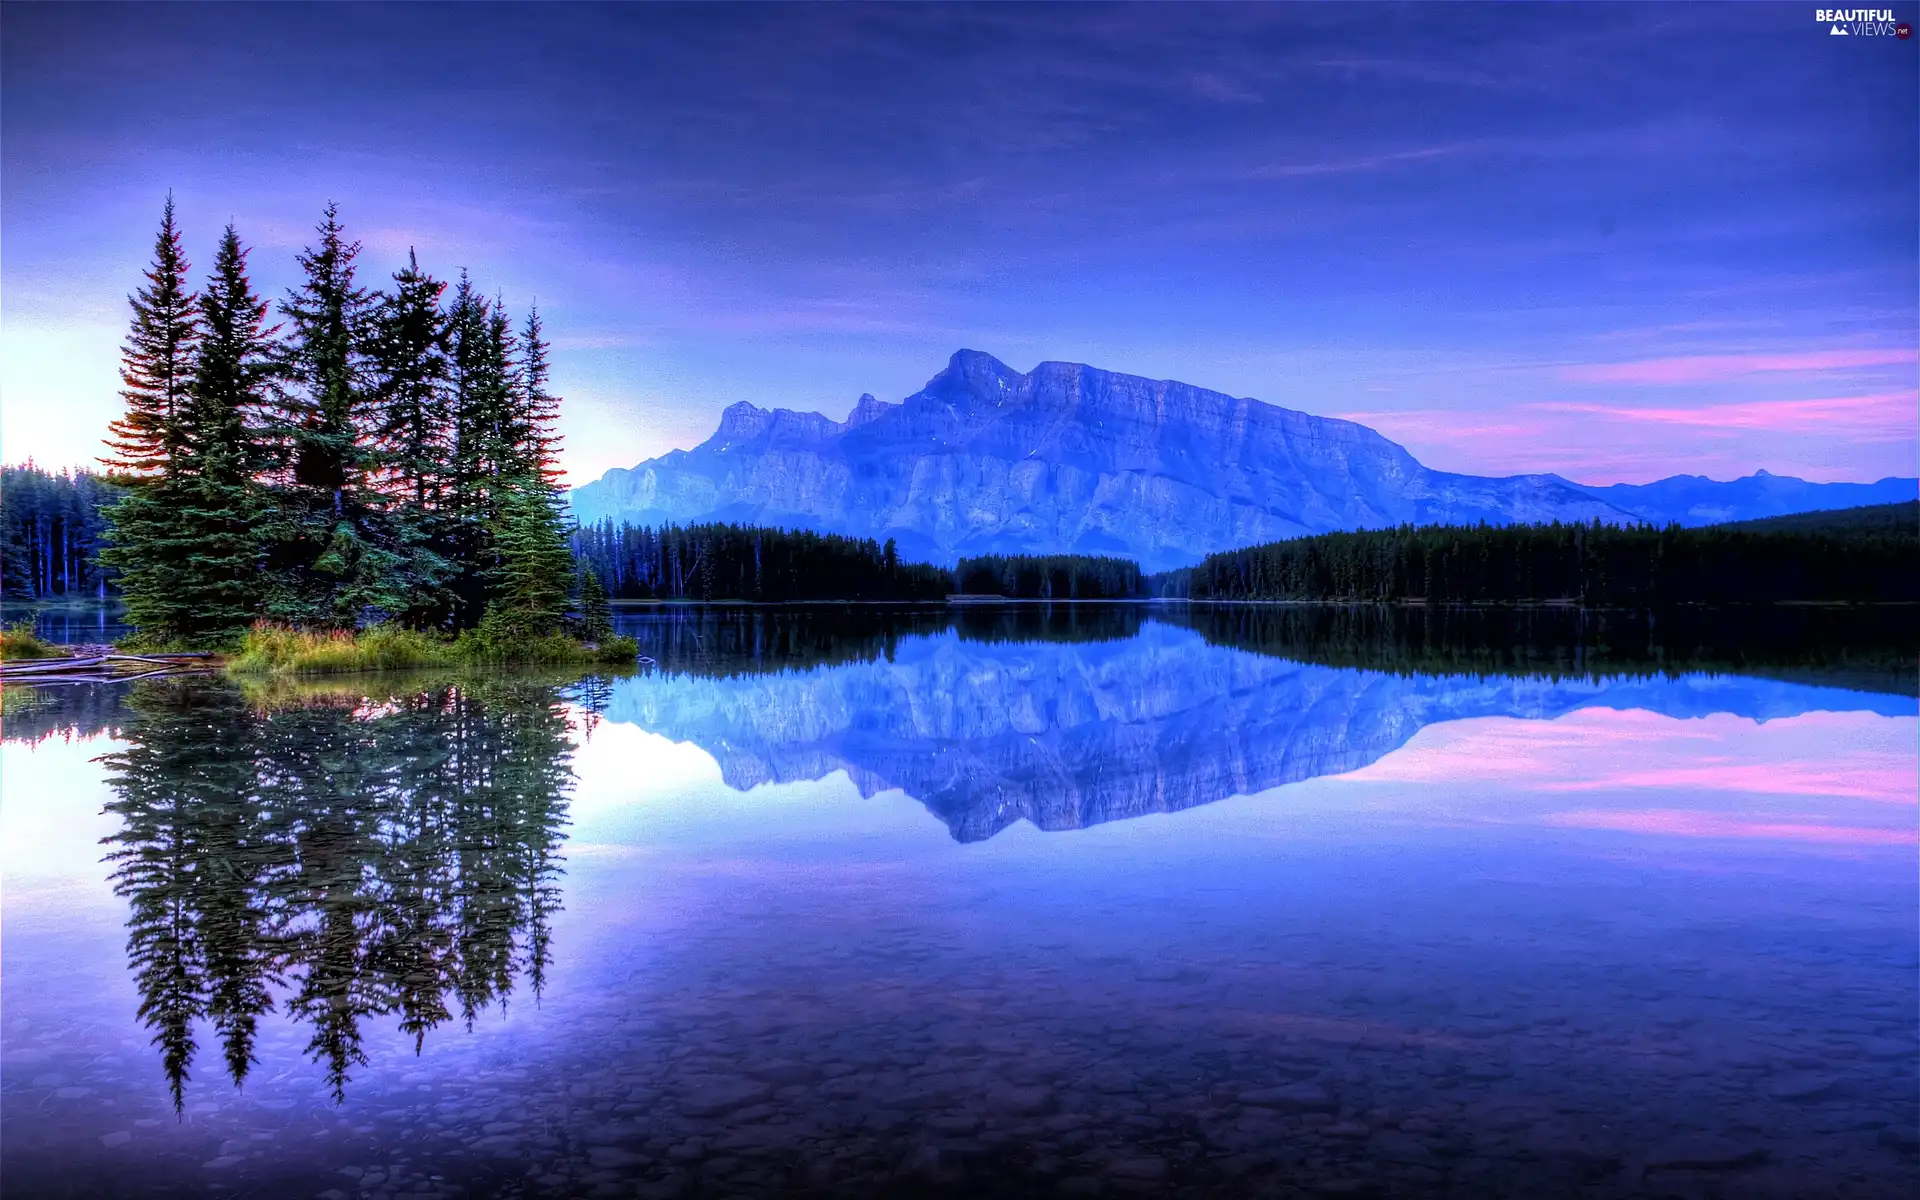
<point>269,649</point>
<point>19,641</point>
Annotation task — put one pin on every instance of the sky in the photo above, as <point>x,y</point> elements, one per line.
<point>1613,242</point>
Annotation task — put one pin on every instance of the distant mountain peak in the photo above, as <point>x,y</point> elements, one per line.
<point>867,409</point>
<point>1069,458</point>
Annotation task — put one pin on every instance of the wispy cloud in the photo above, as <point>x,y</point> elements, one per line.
<point>1715,368</point>
<point>1346,166</point>
<point>1886,779</point>
<point>1681,823</point>
<point>1446,426</point>
<point>1878,416</point>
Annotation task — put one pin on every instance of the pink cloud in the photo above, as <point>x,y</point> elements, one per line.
<point>1343,166</point>
<point>1877,416</point>
<point>1887,782</point>
<point>1709,368</point>
<point>1679,823</point>
<point>1445,425</point>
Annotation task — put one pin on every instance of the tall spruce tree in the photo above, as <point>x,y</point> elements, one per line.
<point>536,416</point>
<point>478,395</point>
<point>151,541</point>
<point>410,372</point>
<point>334,560</point>
<point>187,541</point>
<point>156,364</point>
<point>325,363</point>
<point>532,568</point>
<point>531,556</point>
<point>413,439</point>
<point>596,613</point>
<point>223,504</point>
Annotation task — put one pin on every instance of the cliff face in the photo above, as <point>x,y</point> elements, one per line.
<point>1065,458</point>
<point>1071,734</point>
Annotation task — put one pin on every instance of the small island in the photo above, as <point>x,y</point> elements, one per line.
<point>370,482</point>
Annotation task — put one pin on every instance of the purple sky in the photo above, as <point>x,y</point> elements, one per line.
<point>1613,242</point>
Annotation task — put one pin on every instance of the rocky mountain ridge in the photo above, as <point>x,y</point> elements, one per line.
<point>1068,458</point>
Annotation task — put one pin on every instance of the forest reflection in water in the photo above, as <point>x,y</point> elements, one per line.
<point>1872,647</point>
<point>339,856</point>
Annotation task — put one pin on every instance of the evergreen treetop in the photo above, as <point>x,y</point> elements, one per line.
<point>324,362</point>
<point>156,365</point>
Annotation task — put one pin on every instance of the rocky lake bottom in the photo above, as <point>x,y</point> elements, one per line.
<point>967,919</point>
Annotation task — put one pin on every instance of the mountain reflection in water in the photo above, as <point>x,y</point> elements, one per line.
<point>1070,716</point>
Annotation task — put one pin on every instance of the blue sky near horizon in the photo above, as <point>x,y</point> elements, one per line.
<point>1616,242</point>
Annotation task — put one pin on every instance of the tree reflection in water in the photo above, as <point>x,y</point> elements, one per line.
<point>354,858</point>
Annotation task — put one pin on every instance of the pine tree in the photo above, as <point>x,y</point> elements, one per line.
<point>536,411</point>
<point>156,364</point>
<point>410,372</point>
<point>596,614</point>
<point>478,395</point>
<point>187,541</point>
<point>328,316</point>
<point>413,439</point>
<point>530,556</point>
<point>333,560</point>
<point>528,593</point>
<point>151,540</point>
<point>220,582</point>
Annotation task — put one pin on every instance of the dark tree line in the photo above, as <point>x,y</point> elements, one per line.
<point>1586,564</point>
<point>412,879</point>
<point>1872,649</point>
<point>1050,577</point>
<point>741,562</point>
<point>52,528</point>
<point>729,640</point>
<point>375,455</point>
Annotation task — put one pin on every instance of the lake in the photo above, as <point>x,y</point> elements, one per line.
<point>1007,900</point>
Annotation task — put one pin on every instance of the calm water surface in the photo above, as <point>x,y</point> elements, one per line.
<point>1023,902</point>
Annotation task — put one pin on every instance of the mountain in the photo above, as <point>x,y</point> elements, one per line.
<point>1072,459</point>
<point>1697,500</point>
<point>1072,734</point>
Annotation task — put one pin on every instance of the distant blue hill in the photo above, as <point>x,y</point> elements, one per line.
<point>1072,459</point>
<point>1697,500</point>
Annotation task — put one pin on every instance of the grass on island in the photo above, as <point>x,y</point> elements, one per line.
<point>19,641</point>
<point>282,650</point>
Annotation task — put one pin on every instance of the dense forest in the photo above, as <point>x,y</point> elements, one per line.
<point>1050,577</point>
<point>729,640</point>
<point>739,562</point>
<point>377,455</point>
<point>1866,648</point>
<point>1586,564</point>
<point>1867,518</point>
<point>52,528</point>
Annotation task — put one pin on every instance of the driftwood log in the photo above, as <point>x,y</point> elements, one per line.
<point>102,668</point>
